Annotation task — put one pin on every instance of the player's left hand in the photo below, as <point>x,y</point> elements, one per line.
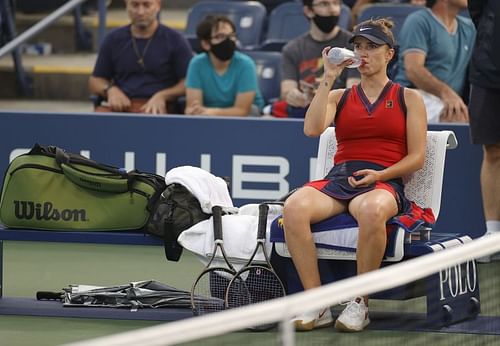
<point>364,178</point>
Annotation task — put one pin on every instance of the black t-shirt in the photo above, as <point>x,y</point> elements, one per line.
<point>165,61</point>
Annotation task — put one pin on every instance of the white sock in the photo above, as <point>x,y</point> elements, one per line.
<point>492,226</point>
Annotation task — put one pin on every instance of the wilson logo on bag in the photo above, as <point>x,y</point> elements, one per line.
<point>45,211</point>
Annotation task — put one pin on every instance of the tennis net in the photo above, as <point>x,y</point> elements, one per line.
<point>447,274</point>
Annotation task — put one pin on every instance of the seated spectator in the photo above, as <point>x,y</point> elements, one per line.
<point>221,80</point>
<point>435,48</point>
<point>141,67</point>
<point>302,65</point>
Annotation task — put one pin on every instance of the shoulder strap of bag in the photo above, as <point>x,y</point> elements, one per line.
<point>173,250</point>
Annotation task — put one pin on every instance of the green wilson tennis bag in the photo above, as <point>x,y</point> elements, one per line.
<point>51,189</point>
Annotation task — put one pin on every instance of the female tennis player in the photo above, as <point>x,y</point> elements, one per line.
<point>381,133</point>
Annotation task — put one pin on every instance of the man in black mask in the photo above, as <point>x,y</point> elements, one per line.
<point>221,80</point>
<point>302,64</point>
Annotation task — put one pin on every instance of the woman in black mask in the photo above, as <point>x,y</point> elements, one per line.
<point>302,63</point>
<point>221,80</point>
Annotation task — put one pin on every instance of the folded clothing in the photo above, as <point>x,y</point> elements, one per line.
<point>239,234</point>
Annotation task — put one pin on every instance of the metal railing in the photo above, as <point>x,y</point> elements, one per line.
<point>16,40</point>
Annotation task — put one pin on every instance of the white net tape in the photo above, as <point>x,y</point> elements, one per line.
<point>282,310</point>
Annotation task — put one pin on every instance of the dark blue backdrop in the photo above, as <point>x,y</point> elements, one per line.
<point>263,157</point>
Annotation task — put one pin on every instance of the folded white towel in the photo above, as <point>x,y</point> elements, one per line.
<point>239,235</point>
<point>206,187</point>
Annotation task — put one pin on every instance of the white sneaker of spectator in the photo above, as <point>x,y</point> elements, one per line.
<point>313,320</point>
<point>354,318</point>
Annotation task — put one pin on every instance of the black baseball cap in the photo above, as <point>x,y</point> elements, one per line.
<point>374,34</point>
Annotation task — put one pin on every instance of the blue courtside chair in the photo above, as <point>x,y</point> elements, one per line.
<point>269,4</point>
<point>288,21</point>
<point>248,16</point>
<point>268,72</point>
<point>397,13</point>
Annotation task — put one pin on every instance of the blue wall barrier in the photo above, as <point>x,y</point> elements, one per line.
<point>264,158</point>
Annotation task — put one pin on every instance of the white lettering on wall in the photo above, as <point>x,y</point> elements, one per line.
<point>129,161</point>
<point>312,169</point>
<point>85,153</point>
<point>241,176</point>
<point>205,162</point>
<point>16,152</point>
<point>161,164</point>
<point>20,151</point>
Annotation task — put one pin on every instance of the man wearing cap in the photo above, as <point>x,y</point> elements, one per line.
<point>435,48</point>
<point>302,65</point>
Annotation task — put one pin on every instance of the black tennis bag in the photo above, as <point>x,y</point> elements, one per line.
<point>177,209</point>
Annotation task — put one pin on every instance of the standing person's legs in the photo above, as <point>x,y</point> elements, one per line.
<point>490,186</point>
<point>484,111</point>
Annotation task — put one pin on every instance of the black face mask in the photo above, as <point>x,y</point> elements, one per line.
<point>325,23</point>
<point>224,50</point>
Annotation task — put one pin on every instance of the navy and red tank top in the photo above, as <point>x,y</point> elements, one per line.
<point>374,132</point>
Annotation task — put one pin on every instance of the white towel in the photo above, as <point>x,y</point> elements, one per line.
<point>206,187</point>
<point>239,235</point>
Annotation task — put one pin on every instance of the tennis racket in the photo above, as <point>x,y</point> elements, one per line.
<point>255,282</point>
<point>207,293</point>
<point>47,295</point>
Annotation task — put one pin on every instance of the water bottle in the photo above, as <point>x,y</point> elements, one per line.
<point>337,55</point>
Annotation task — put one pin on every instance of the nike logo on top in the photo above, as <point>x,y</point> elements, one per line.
<point>363,29</point>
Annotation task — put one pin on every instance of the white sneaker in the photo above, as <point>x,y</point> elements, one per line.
<point>354,318</point>
<point>313,320</point>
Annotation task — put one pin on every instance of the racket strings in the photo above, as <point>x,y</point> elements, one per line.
<point>253,285</point>
<point>209,291</point>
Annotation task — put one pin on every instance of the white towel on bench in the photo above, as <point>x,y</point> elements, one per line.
<point>239,234</point>
<point>206,187</point>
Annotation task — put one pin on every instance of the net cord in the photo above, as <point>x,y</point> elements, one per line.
<point>281,309</point>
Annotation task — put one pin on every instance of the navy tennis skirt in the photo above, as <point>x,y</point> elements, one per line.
<point>336,185</point>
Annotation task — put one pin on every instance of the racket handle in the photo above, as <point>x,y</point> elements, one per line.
<point>217,220</point>
<point>46,295</point>
<point>261,228</point>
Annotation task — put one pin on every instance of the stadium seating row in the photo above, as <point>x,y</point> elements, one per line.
<point>259,31</point>
<point>262,36</point>
<point>256,30</point>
